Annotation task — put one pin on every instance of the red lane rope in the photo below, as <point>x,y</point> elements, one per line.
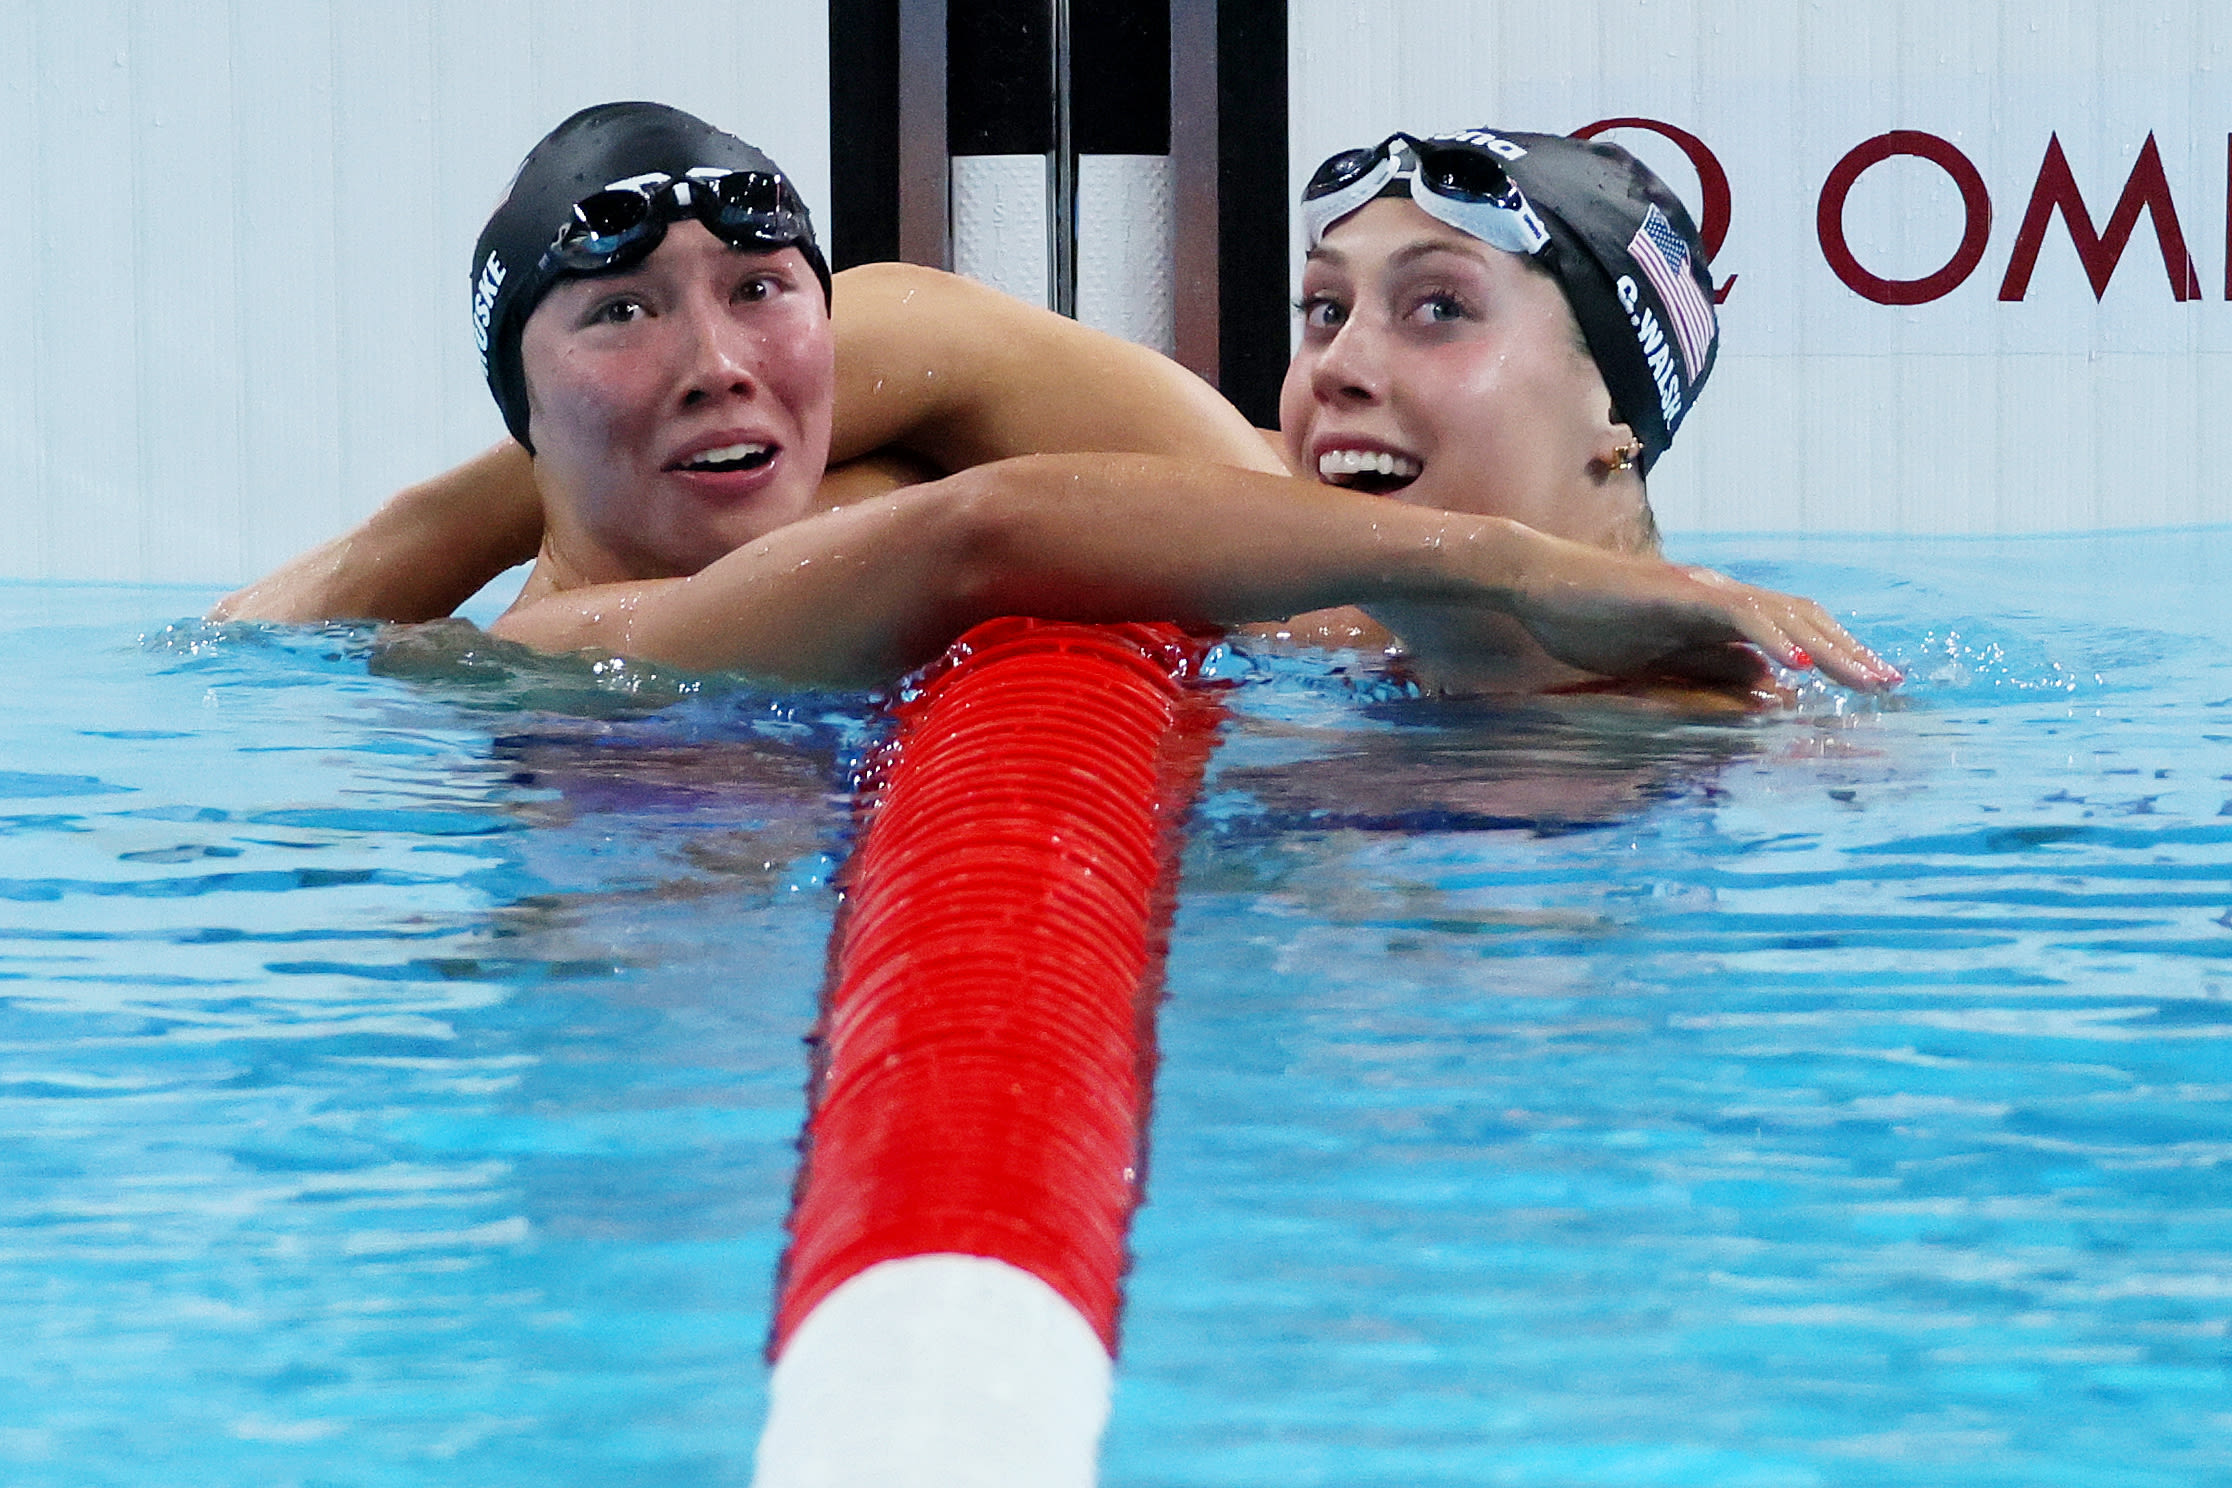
<point>987,1045</point>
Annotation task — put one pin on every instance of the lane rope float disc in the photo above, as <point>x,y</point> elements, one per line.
<point>948,1308</point>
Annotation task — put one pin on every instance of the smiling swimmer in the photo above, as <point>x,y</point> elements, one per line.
<point>1431,329</point>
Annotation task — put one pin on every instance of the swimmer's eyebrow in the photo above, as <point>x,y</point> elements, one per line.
<point>634,273</point>
<point>1409,253</point>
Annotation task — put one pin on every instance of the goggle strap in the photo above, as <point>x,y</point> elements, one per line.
<point>1513,229</point>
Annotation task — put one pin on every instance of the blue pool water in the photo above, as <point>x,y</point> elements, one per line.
<point>400,1059</point>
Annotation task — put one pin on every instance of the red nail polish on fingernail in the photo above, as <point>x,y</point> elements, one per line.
<point>1799,658</point>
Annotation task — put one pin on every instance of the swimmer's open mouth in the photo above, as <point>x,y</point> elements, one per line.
<point>1379,472</point>
<point>728,457</point>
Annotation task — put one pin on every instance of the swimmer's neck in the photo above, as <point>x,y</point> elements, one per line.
<point>574,555</point>
<point>543,580</point>
<point>559,568</point>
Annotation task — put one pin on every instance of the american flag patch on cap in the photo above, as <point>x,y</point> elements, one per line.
<point>1658,250</point>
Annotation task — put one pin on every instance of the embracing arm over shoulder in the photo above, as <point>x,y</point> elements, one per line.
<point>865,592</point>
<point>958,375</point>
<point>930,366</point>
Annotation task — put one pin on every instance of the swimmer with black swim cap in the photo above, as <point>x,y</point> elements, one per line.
<point>1618,241</point>
<point>1501,322</point>
<point>596,196</point>
<point>653,317</point>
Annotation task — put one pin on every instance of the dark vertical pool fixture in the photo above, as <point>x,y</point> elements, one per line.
<point>1061,163</point>
<point>1122,163</point>
<point>948,1306</point>
<point>1061,177</point>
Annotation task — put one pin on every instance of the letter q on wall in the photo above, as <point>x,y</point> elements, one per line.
<point>1712,183</point>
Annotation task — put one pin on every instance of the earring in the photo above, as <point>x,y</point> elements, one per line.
<point>1625,457</point>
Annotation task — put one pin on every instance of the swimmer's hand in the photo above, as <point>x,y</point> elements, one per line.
<point>1622,617</point>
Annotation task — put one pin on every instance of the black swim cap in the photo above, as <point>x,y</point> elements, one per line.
<point>1630,260</point>
<point>597,148</point>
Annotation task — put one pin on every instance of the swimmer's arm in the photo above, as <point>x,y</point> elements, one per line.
<point>928,363</point>
<point>421,555</point>
<point>431,548</point>
<point>865,593</point>
<point>963,375</point>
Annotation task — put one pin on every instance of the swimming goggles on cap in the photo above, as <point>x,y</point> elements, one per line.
<point>619,226</point>
<point>1456,181</point>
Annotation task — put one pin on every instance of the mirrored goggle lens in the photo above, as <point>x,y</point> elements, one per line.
<point>606,223</point>
<point>1466,175</point>
<point>752,207</point>
<point>1343,169</point>
<point>751,192</point>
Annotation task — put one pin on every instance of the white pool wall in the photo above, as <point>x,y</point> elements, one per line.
<point>236,321</point>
